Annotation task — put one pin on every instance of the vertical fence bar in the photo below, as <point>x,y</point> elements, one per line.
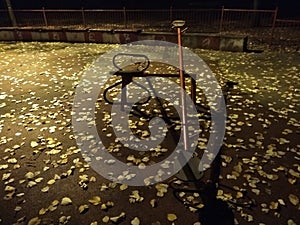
<point>274,23</point>
<point>45,17</point>
<point>221,19</point>
<point>124,17</point>
<point>83,17</point>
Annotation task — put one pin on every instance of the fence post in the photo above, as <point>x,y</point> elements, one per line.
<point>221,20</point>
<point>274,23</point>
<point>83,17</point>
<point>45,18</point>
<point>124,17</point>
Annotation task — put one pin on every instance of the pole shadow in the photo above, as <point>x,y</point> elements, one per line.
<point>215,211</point>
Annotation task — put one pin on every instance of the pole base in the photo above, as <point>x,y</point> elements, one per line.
<point>190,172</point>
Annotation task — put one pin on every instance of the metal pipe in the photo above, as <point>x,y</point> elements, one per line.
<point>182,89</point>
<point>274,24</point>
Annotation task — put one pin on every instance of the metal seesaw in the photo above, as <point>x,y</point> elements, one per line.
<point>139,69</point>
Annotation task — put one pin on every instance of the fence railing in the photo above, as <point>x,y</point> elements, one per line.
<point>262,24</point>
<point>287,31</point>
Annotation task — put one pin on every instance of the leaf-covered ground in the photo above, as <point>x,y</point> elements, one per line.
<point>45,180</point>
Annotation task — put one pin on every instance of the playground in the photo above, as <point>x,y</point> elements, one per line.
<point>45,179</point>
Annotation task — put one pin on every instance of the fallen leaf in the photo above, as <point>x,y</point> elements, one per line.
<point>118,219</point>
<point>18,208</point>
<point>96,200</point>
<point>135,197</point>
<point>135,221</point>
<point>55,202</point>
<point>294,199</point>
<point>94,223</point>
<point>43,211</point>
<point>6,176</point>
<point>45,189</point>
<point>50,182</point>
<point>66,201</point>
<point>171,217</point>
<point>64,219</point>
<point>34,144</point>
<point>34,221</point>
<point>291,222</point>
<point>281,202</point>
<point>153,203</point>
<point>9,188</point>
<point>161,189</point>
<point>105,219</point>
<point>31,184</point>
<point>83,209</point>
<point>123,187</point>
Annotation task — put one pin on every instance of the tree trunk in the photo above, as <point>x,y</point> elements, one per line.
<point>11,13</point>
<point>255,4</point>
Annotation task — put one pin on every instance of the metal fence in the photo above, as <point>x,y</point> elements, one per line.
<point>287,31</point>
<point>260,24</point>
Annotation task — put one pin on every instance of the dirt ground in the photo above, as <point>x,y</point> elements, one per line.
<point>45,180</point>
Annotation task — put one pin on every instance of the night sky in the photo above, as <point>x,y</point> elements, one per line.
<point>287,8</point>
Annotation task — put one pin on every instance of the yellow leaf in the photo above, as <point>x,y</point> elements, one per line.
<point>83,208</point>
<point>42,211</point>
<point>135,221</point>
<point>96,200</point>
<point>172,217</point>
<point>34,221</point>
<point>52,181</point>
<point>45,189</point>
<point>105,219</point>
<point>123,187</point>
<point>293,199</point>
<point>66,201</point>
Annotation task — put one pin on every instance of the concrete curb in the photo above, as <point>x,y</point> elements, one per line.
<point>212,41</point>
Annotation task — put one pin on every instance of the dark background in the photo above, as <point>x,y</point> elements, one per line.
<point>287,8</point>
